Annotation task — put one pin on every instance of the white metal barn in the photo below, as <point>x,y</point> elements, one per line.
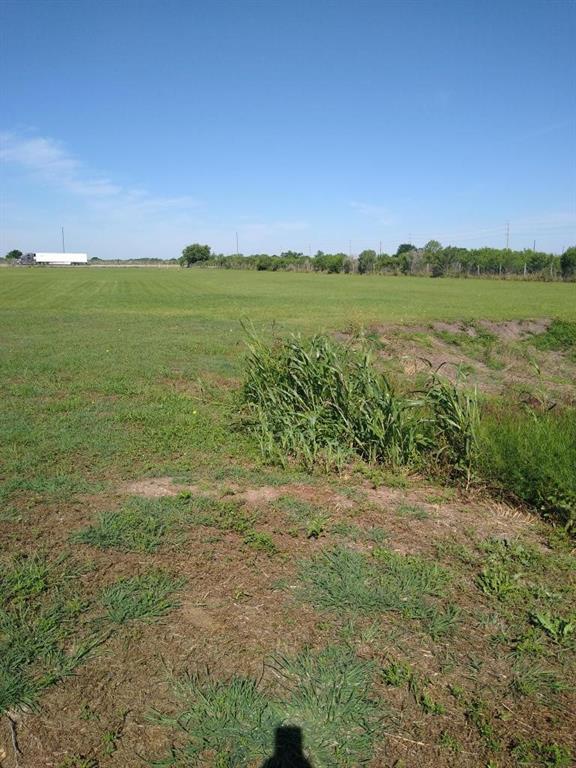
<point>64,259</point>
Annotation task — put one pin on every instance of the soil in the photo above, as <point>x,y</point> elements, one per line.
<point>507,365</point>
<point>238,608</point>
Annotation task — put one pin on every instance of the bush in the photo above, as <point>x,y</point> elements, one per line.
<point>533,456</point>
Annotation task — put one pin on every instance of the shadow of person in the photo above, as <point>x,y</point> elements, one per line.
<point>287,749</point>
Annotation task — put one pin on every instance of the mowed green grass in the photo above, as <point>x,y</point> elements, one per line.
<point>114,373</point>
<point>311,301</point>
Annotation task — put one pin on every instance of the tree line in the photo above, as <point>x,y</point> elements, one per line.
<point>433,259</point>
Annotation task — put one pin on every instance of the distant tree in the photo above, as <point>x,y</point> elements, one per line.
<point>349,266</point>
<point>434,255</point>
<point>536,262</point>
<point>405,248</point>
<point>568,263</point>
<point>12,255</point>
<point>194,253</point>
<point>366,262</point>
<point>336,263</point>
<point>329,262</point>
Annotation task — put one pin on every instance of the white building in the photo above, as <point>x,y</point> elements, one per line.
<point>64,259</point>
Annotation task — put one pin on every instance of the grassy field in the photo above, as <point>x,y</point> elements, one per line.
<point>168,595</point>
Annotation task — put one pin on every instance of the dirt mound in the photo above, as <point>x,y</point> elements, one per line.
<point>506,330</point>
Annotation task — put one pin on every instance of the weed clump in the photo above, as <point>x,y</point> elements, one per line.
<point>141,525</point>
<point>43,637</point>
<point>325,695</point>
<point>560,336</point>
<point>145,597</point>
<point>324,404</point>
<point>347,581</point>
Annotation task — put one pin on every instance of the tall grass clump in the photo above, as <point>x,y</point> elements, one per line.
<point>326,403</point>
<point>320,401</point>
<point>532,456</point>
<point>455,419</point>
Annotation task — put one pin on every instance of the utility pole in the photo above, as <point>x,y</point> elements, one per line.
<point>63,247</point>
<point>237,251</point>
<point>380,249</point>
<point>507,235</point>
<point>534,246</point>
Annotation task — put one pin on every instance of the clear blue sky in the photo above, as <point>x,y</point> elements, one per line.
<point>144,126</point>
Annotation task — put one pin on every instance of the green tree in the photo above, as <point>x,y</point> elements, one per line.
<point>194,253</point>
<point>434,255</point>
<point>405,248</point>
<point>568,263</point>
<point>366,262</point>
<point>12,255</point>
<point>335,263</point>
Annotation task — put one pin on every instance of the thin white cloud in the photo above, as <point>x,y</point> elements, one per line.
<point>50,162</point>
<point>378,213</point>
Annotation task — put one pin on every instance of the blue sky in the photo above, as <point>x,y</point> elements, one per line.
<point>143,126</point>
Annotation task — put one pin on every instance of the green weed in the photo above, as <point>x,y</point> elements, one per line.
<point>400,674</point>
<point>534,752</point>
<point>347,581</point>
<point>531,456</point>
<point>560,336</point>
<point>449,742</point>
<point>557,627</point>
<point>145,597</point>
<point>497,581</point>
<point>223,515</point>
<point>43,637</point>
<point>329,698</point>
<point>326,694</point>
<point>141,525</point>
<point>415,512</point>
<point>316,526</point>
<point>260,542</point>
<point>397,674</point>
<point>530,680</point>
<point>478,714</point>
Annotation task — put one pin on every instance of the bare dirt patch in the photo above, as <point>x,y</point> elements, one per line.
<point>506,330</point>
<point>495,357</point>
<point>154,487</point>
